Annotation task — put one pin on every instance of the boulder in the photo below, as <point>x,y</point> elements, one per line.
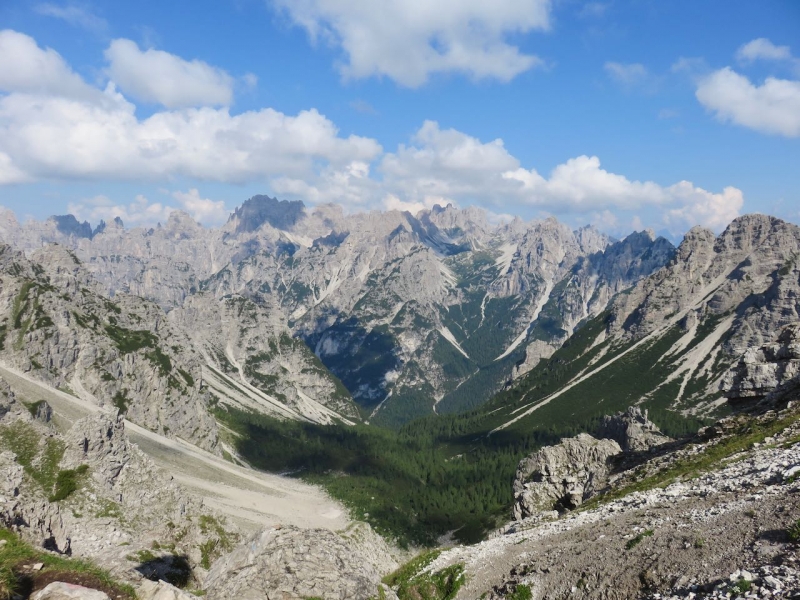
<point>561,477</point>
<point>292,563</point>
<point>67,591</point>
<point>161,590</point>
<point>632,430</point>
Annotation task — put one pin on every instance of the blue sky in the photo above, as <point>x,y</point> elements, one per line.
<point>623,113</point>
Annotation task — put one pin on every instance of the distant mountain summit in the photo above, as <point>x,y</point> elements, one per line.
<point>280,214</point>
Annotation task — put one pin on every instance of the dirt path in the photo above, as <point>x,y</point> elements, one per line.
<point>250,498</point>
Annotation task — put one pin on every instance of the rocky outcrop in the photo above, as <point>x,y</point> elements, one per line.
<point>100,443</point>
<point>632,430</point>
<point>68,591</point>
<point>161,590</point>
<point>248,341</point>
<point>123,354</point>
<point>120,510</point>
<point>767,371</point>
<point>292,563</point>
<point>561,477</point>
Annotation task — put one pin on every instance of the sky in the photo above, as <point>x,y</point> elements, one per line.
<point>620,113</point>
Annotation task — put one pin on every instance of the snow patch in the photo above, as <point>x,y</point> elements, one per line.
<point>504,261</point>
<point>298,240</point>
<point>448,335</point>
<point>449,277</point>
<point>539,306</point>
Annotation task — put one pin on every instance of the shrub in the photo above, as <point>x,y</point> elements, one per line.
<point>793,531</point>
<point>67,483</point>
<point>632,543</point>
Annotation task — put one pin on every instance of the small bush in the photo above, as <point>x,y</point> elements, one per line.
<point>793,531</point>
<point>632,543</point>
<point>67,483</point>
<point>522,592</point>
<point>741,587</point>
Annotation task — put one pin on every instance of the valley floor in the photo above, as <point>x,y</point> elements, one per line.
<point>250,498</point>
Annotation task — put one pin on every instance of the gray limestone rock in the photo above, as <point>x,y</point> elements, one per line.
<point>768,370</point>
<point>68,591</point>
<point>562,476</point>
<point>632,430</point>
<point>290,563</point>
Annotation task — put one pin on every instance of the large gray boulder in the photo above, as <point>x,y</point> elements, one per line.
<point>767,370</point>
<point>290,563</point>
<point>59,590</point>
<point>561,477</point>
<point>632,430</point>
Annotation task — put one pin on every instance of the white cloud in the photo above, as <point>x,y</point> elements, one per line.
<point>207,212</point>
<point>762,49</point>
<point>773,107</point>
<point>58,137</point>
<point>24,67</point>
<point>55,126</point>
<point>160,77</point>
<point>409,40</point>
<point>78,16</point>
<point>139,212</point>
<point>701,207</point>
<point>442,166</point>
<point>626,74</point>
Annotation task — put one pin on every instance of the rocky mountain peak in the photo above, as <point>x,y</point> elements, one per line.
<point>70,226</point>
<point>261,209</point>
<point>746,232</point>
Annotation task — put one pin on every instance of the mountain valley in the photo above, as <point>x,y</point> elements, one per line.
<point>429,371</point>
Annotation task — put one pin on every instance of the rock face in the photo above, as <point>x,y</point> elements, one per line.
<point>290,563</point>
<point>247,344</point>
<point>122,508</point>
<point>632,430</point>
<point>123,354</point>
<point>766,371</point>
<point>561,477</point>
<point>413,313</point>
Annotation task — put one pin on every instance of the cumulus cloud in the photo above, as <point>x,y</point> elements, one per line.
<point>772,107</point>
<point>446,165</point>
<point>54,125</point>
<point>626,74</point>
<point>207,212</point>
<point>143,212</point>
<point>25,67</point>
<point>762,49</point>
<point>701,207</point>
<point>408,40</point>
<point>139,212</point>
<point>77,16</point>
<point>163,78</point>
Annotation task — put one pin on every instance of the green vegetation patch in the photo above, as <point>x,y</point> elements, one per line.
<point>635,541</point>
<point>16,578</point>
<point>38,458</point>
<point>67,482</point>
<point>412,583</point>
<point>521,592</point>
<point>121,400</point>
<point>130,340</point>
